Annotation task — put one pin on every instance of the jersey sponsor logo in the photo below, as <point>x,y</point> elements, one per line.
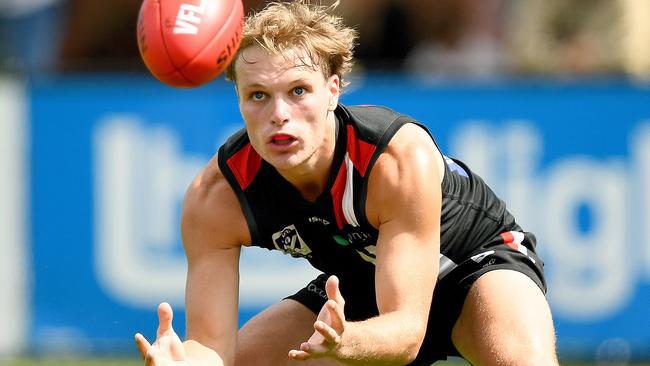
<point>317,290</point>
<point>289,241</point>
<point>359,237</point>
<point>369,253</point>
<point>318,219</point>
<point>189,18</point>
<point>365,243</point>
<point>341,240</point>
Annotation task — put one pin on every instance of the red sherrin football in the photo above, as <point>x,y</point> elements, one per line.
<point>187,43</point>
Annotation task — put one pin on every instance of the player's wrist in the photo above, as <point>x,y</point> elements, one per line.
<point>200,355</point>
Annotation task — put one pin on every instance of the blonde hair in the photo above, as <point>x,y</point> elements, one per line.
<point>281,27</point>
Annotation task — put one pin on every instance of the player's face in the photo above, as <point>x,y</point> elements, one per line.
<point>287,108</point>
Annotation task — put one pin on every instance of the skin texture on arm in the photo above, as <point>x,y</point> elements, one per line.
<point>404,203</point>
<point>213,228</point>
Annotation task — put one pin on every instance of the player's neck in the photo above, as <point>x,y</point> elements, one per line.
<point>311,178</point>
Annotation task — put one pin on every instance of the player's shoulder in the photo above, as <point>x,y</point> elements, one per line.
<point>234,143</point>
<point>206,185</point>
<point>372,110</point>
<point>374,124</point>
<point>410,150</point>
<point>404,173</point>
<point>369,115</point>
<point>411,144</point>
<point>210,205</point>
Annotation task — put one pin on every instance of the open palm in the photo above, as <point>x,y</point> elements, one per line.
<point>328,328</point>
<point>168,349</point>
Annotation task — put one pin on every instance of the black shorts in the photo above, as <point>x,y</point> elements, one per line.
<point>448,297</point>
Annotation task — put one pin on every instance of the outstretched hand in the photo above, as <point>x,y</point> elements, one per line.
<point>168,349</point>
<point>328,328</point>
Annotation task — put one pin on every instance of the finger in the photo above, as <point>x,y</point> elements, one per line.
<point>330,335</point>
<point>335,304</point>
<point>332,290</point>
<point>336,315</point>
<point>308,351</point>
<point>143,345</point>
<point>299,355</point>
<point>315,349</point>
<point>165,316</point>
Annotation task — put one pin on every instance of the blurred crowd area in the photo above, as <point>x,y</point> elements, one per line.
<point>435,39</point>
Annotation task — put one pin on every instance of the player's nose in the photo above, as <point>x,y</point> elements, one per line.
<point>281,112</point>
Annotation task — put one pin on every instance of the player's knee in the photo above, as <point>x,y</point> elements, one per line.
<point>534,360</point>
<point>528,354</point>
<point>507,349</point>
<point>534,348</point>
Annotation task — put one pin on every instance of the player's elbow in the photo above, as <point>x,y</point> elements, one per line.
<point>412,343</point>
<point>412,351</point>
<point>408,354</point>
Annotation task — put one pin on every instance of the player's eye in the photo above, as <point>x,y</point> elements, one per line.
<point>299,91</point>
<point>258,95</point>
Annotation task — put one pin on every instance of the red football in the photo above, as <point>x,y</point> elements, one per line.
<point>187,43</point>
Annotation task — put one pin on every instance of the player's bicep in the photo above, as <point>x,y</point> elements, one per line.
<point>407,202</point>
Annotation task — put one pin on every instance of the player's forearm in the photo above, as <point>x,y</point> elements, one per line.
<point>389,339</point>
<point>200,355</point>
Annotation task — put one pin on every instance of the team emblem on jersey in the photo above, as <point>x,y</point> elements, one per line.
<point>289,241</point>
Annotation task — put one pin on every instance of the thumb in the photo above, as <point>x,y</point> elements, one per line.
<point>335,304</point>
<point>333,292</point>
<point>165,316</point>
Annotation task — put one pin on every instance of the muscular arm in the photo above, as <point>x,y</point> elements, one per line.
<point>213,228</point>
<point>404,202</point>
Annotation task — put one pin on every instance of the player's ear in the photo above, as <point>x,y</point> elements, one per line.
<point>334,87</point>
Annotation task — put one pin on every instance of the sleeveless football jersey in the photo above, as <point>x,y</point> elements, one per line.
<point>333,232</point>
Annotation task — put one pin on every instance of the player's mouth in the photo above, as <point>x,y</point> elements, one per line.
<point>282,139</point>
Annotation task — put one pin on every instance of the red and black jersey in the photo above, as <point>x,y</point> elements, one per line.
<point>333,232</point>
